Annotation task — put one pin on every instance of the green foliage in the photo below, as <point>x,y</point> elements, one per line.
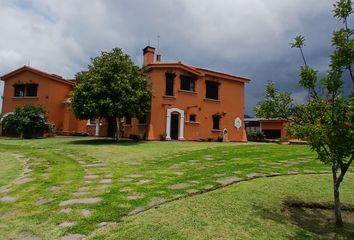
<point>257,136</point>
<point>111,87</point>
<point>327,120</point>
<point>275,104</point>
<point>27,121</point>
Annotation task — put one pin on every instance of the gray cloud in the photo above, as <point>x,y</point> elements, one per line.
<point>248,38</point>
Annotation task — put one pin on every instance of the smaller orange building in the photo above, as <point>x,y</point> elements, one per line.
<point>28,85</point>
<point>272,128</point>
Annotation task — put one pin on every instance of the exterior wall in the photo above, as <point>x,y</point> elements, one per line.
<point>275,125</point>
<point>51,94</point>
<point>230,105</point>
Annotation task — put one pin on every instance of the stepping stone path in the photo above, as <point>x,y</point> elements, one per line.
<point>8,199</point>
<point>85,213</point>
<point>192,191</point>
<point>156,201</point>
<point>179,186</point>
<point>54,189</point>
<point>80,201</point>
<point>43,201</point>
<point>143,181</point>
<point>23,181</point>
<point>135,197</point>
<point>66,210</point>
<point>228,180</point>
<point>254,175</point>
<point>67,224</point>
<point>72,237</point>
<point>309,171</point>
<point>136,210</point>
<point>27,236</point>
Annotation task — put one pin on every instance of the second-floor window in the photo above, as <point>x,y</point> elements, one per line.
<point>25,90</point>
<point>142,120</point>
<point>169,83</point>
<point>212,90</point>
<point>187,83</point>
<point>192,118</point>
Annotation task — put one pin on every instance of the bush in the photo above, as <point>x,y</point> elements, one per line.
<point>163,136</point>
<point>257,136</point>
<point>27,121</point>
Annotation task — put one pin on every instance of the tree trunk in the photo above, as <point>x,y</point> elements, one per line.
<point>337,210</point>
<point>117,122</point>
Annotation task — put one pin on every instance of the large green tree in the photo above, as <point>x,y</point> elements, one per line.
<point>275,104</point>
<point>112,87</point>
<point>327,120</point>
<point>28,121</point>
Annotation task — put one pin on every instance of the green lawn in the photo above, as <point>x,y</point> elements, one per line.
<point>130,178</point>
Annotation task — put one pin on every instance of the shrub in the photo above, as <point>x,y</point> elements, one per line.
<point>257,136</point>
<point>27,121</point>
<point>163,136</point>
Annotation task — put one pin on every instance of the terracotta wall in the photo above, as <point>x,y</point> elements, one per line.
<point>275,125</point>
<point>51,95</point>
<point>230,105</point>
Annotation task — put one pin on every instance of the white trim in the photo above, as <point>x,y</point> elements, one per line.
<point>5,115</point>
<point>181,123</point>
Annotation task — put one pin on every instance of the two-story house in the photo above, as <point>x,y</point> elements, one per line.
<point>28,85</point>
<point>190,103</point>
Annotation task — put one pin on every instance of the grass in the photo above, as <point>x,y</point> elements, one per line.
<point>142,174</point>
<point>248,210</point>
<point>10,168</point>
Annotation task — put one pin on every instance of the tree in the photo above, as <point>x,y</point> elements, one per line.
<point>275,104</point>
<point>28,121</point>
<point>327,120</point>
<point>112,87</point>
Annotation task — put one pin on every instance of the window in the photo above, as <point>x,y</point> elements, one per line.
<point>212,90</point>
<point>187,83</point>
<point>216,121</point>
<point>192,118</point>
<point>128,120</point>
<point>142,120</point>
<point>25,90</point>
<point>169,83</point>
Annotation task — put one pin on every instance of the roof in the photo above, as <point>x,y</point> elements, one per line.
<point>197,71</point>
<point>39,72</point>
<point>265,120</point>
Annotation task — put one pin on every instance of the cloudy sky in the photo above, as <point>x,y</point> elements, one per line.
<point>243,37</point>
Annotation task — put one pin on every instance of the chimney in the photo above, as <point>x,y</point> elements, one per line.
<point>149,53</point>
<point>158,57</point>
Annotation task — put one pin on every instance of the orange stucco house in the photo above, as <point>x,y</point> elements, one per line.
<point>28,85</point>
<point>190,103</point>
<point>271,128</point>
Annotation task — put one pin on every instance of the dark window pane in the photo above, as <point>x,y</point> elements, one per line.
<point>192,118</point>
<point>216,122</point>
<point>142,120</point>
<point>128,120</point>
<point>169,83</point>
<point>31,90</point>
<point>19,90</point>
<point>187,83</point>
<point>212,90</point>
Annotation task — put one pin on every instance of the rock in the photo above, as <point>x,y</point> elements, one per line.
<point>8,199</point>
<point>136,211</point>
<point>156,201</point>
<point>143,181</point>
<point>67,224</point>
<point>125,179</point>
<point>228,180</point>
<point>54,189</point>
<point>66,210</point>
<point>192,191</point>
<point>179,186</point>
<point>43,201</point>
<point>135,197</point>
<point>23,181</point>
<point>28,236</point>
<point>106,181</point>
<point>80,201</point>
<point>91,177</point>
<point>72,237</point>
<point>85,213</point>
